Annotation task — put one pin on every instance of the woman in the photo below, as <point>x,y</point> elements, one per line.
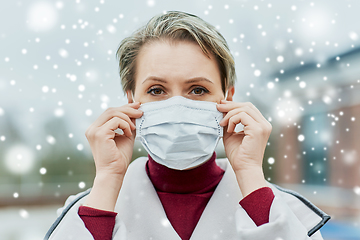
<point>178,74</point>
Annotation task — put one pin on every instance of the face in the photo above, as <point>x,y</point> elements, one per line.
<point>180,68</point>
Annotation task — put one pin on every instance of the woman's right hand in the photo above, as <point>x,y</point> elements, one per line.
<point>112,152</point>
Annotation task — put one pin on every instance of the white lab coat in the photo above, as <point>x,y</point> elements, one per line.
<point>141,215</point>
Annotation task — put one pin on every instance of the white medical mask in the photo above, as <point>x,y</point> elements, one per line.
<point>179,133</point>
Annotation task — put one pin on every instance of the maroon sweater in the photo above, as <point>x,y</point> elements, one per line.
<point>176,189</point>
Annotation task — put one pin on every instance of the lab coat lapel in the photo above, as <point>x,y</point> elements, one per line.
<point>140,207</point>
<point>218,219</point>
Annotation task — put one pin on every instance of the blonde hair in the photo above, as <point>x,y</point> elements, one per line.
<point>181,26</point>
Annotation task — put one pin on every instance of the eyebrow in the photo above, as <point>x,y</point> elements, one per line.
<point>191,80</point>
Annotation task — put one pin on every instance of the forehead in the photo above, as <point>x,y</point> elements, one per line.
<point>176,60</point>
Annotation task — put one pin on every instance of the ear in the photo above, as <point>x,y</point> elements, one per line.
<point>230,94</point>
<point>129,96</point>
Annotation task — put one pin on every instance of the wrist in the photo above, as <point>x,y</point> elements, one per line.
<point>250,179</point>
<point>105,191</point>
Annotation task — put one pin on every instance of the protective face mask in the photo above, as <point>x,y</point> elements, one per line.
<point>179,133</point>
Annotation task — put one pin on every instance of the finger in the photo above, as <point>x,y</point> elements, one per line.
<point>125,112</point>
<point>247,106</point>
<point>229,105</point>
<point>116,123</point>
<point>242,118</point>
<point>235,111</point>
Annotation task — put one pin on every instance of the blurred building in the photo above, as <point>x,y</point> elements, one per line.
<point>318,149</point>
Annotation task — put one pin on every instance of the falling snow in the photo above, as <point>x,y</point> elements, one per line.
<point>60,73</point>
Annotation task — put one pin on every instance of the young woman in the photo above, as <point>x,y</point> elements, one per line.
<point>178,74</point>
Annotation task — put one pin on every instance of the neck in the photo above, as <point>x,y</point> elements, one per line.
<point>195,180</point>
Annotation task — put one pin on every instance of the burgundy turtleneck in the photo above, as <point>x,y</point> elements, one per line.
<point>184,195</point>
<point>177,188</point>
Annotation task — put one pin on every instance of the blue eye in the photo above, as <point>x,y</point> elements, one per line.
<point>199,91</point>
<point>155,91</point>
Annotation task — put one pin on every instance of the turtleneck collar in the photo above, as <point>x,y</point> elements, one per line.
<point>201,179</point>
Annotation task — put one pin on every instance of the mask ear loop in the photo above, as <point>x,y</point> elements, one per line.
<point>132,96</point>
<point>226,94</point>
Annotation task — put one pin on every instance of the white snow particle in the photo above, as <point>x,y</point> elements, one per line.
<point>82,185</point>
<point>81,88</point>
<point>353,36</point>
<point>150,3</point>
<point>165,222</point>
<point>38,147</point>
<point>88,112</point>
<point>271,160</point>
<point>257,73</point>
<point>281,113</point>
<point>270,85</point>
<point>104,105</point>
<point>16,195</point>
<point>42,171</point>
<point>73,78</point>
<point>302,84</point>
<point>293,7</point>
<point>24,51</point>
<point>2,138</point>
<point>357,190</point>
<point>326,99</point>
<point>59,5</point>
<point>353,119</point>
<point>45,89</point>
<point>301,138</point>
<point>80,147</point>
<point>298,52</point>
<point>280,59</point>
<point>59,112</point>
<point>256,8</point>
<point>63,53</point>
<point>50,139</point>
<point>42,16</point>
<point>36,67</point>
<point>23,213</point>
<point>1,112</point>
<point>111,28</point>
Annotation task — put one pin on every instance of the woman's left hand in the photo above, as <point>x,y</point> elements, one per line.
<point>245,149</point>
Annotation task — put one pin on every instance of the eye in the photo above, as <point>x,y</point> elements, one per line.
<point>155,91</point>
<point>199,91</point>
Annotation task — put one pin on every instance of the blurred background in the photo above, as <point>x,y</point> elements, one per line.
<point>297,61</point>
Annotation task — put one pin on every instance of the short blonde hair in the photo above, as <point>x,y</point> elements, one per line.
<point>176,26</point>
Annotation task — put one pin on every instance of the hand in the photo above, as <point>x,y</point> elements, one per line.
<point>245,149</point>
<point>112,152</point>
